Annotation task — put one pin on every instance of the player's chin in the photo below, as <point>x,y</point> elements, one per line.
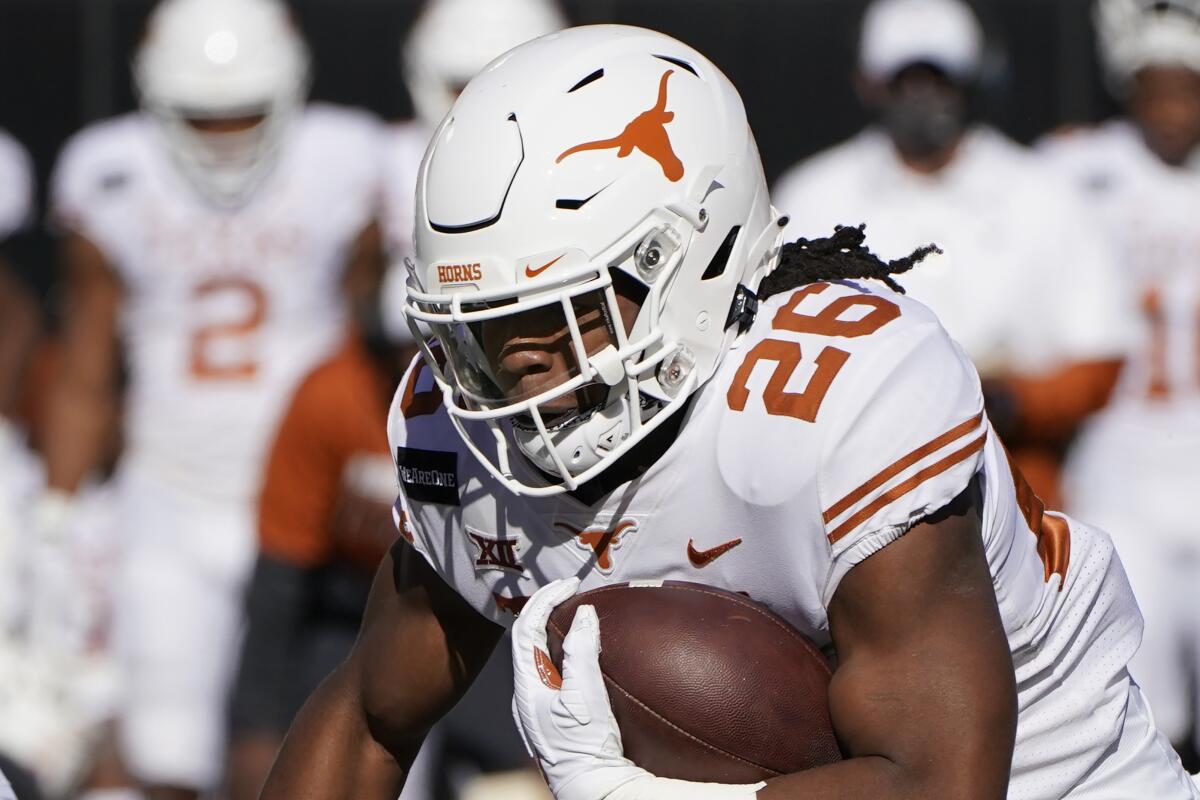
<point>554,415</point>
<point>565,410</point>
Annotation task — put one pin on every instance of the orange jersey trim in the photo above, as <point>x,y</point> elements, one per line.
<point>902,489</point>
<point>957,432</point>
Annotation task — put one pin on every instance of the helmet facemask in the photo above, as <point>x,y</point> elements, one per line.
<point>226,166</point>
<point>592,356</point>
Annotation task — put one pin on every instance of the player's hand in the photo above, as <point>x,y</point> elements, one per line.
<point>566,720</point>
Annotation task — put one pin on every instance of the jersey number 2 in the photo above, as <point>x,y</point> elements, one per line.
<point>204,364</point>
<point>805,404</point>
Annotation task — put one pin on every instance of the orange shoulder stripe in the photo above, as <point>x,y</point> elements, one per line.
<point>957,432</point>
<point>902,489</point>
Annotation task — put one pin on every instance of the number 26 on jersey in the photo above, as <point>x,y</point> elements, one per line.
<point>870,313</point>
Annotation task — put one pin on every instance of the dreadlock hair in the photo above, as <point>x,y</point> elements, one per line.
<point>842,256</point>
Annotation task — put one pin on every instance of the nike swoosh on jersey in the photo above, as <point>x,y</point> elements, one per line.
<point>702,558</point>
<point>533,273</point>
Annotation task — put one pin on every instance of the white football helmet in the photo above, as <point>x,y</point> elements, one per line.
<point>1133,34</point>
<point>223,59</point>
<point>453,39</point>
<point>596,155</point>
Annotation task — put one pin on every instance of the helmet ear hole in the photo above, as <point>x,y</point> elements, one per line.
<point>720,259</point>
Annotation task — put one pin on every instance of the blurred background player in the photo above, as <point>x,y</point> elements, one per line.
<point>214,241</point>
<point>325,513</point>
<point>57,676</point>
<point>18,311</point>
<point>19,324</point>
<point>1033,307</point>
<point>1135,464</point>
<point>20,473</point>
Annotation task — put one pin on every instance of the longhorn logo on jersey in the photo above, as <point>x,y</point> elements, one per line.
<point>647,132</point>
<point>601,541</point>
<point>495,553</point>
<point>509,605</point>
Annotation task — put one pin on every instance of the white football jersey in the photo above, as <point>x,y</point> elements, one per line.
<point>1025,283</point>
<point>845,415</point>
<point>224,311</point>
<point>1144,446</point>
<point>16,186</point>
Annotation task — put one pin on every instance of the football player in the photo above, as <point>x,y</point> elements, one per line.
<point>633,379</point>
<point>213,238</point>
<point>1134,463</point>
<point>925,171</point>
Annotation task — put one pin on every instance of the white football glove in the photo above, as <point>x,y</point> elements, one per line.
<point>566,720</point>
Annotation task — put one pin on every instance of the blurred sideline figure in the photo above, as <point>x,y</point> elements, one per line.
<point>214,240</point>
<point>325,523</point>
<point>1135,465</point>
<point>19,323</point>
<point>1033,306</point>
<point>18,311</point>
<point>20,473</point>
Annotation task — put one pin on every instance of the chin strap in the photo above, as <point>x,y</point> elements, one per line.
<point>764,253</point>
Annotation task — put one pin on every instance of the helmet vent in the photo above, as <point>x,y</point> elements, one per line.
<point>679,62</point>
<point>720,259</point>
<point>568,204</point>
<point>595,76</point>
<point>498,164</point>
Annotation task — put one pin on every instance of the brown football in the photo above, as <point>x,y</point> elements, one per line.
<point>707,685</point>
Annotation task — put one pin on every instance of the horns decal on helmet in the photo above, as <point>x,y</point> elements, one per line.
<point>647,132</point>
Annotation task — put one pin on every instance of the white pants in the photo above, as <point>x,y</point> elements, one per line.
<point>179,617</point>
